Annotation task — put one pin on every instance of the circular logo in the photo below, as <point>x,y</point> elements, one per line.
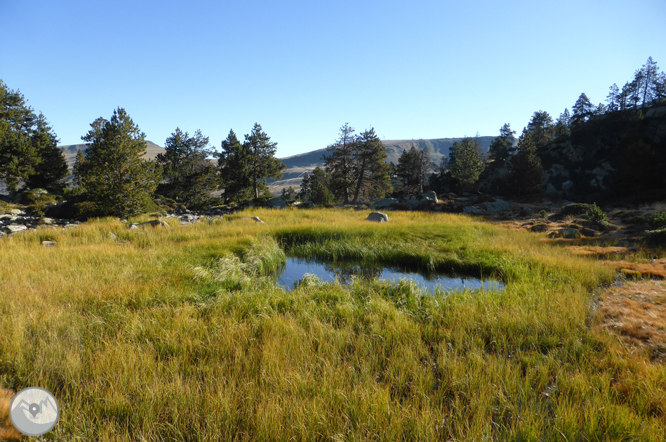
<point>34,411</point>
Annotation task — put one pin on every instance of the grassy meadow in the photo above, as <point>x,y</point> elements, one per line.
<point>179,335</point>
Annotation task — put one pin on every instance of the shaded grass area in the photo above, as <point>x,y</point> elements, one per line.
<point>178,334</point>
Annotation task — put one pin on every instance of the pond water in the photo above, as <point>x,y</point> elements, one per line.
<point>296,268</point>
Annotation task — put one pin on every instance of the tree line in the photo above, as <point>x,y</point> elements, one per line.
<point>112,178</point>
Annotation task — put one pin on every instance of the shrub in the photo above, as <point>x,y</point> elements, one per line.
<point>596,215</point>
<point>577,209</point>
<point>543,214</point>
<point>658,220</point>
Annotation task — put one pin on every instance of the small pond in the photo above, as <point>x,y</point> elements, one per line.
<point>296,268</point>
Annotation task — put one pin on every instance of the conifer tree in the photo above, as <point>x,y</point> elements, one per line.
<point>28,145</point>
<point>466,164</point>
<point>340,163</point>
<point>371,171</point>
<point>501,148</point>
<point>540,128</point>
<point>525,170</point>
<point>234,168</point>
<point>262,161</point>
<point>188,176</point>
<point>562,125</point>
<point>114,175</point>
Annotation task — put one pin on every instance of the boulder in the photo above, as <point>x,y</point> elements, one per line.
<point>188,218</point>
<point>538,228</point>
<point>112,236</point>
<point>71,226</point>
<point>17,212</point>
<point>46,221</point>
<point>430,196</point>
<point>472,210</point>
<point>153,223</point>
<point>253,218</point>
<point>567,185</point>
<point>306,205</point>
<point>413,202</point>
<point>378,217</point>
<point>49,243</point>
<point>496,206</point>
<point>14,228</point>
<point>386,202</point>
<point>277,203</point>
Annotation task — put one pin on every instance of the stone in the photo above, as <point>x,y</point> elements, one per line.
<point>567,185</point>
<point>565,233</point>
<point>430,196</point>
<point>14,228</point>
<point>154,223</point>
<point>49,243</point>
<point>462,200</point>
<point>188,218</point>
<point>46,221</point>
<point>538,228</point>
<point>112,235</point>
<point>550,188</point>
<point>17,212</point>
<point>306,205</point>
<point>386,202</point>
<point>253,218</point>
<point>496,206</point>
<point>71,226</point>
<point>134,226</point>
<point>378,217</point>
<point>277,203</point>
<point>472,210</point>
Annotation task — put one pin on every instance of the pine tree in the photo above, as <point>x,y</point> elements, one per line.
<point>407,169</point>
<point>304,194</point>
<point>371,171</point>
<point>583,109</point>
<point>466,165</point>
<point>340,163</point>
<point>28,146</point>
<point>501,148</point>
<point>114,175</point>
<point>613,98</point>
<point>562,125</point>
<point>525,170</point>
<point>540,128</point>
<point>234,169</point>
<point>647,81</point>
<point>188,176</point>
<point>263,163</point>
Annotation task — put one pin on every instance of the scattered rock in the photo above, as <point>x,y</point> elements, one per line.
<point>112,236</point>
<point>378,217</point>
<point>49,243</point>
<point>386,202</point>
<point>46,221</point>
<point>71,226</point>
<point>155,223</point>
<point>253,218</point>
<point>306,205</point>
<point>17,212</point>
<point>471,210</point>
<point>567,185</point>
<point>430,196</point>
<point>496,206</point>
<point>277,203</point>
<point>538,228</point>
<point>14,228</point>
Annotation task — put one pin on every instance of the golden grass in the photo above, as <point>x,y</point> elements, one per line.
<point>174,334</point>
<point>7,430</point>
<point>655,268</point>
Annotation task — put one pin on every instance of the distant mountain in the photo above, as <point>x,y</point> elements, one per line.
<point>297,165</point>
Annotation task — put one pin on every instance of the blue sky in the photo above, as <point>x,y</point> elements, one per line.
<point>301,69</point>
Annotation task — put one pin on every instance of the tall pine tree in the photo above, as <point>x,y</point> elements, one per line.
<point>114,175</point>
<point>234,168</point>
<point>262,161</point>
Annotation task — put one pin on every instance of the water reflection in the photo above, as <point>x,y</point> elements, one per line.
<point>344,272</point>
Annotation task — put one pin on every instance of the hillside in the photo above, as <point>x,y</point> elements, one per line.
<point>297,165</point>
<point>70,151</point>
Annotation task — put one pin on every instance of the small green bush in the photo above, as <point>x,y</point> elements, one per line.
<point>596,215</point>
<point>658,220</point>
<point>543,214</point>
<point>577,209</point>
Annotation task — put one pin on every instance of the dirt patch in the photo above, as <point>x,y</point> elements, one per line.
<point>636,312</point>
<point>7,431</point>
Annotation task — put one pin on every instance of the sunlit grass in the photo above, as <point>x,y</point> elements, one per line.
<point>178,334</point>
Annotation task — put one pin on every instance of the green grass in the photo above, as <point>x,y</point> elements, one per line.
<point>179,334</point>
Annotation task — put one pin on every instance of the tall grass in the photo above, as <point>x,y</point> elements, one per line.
<point>178,334</point>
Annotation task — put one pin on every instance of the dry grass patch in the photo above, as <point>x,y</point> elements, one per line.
<point>636,312</point>
<point>656,268</point>
<point>7,430</point>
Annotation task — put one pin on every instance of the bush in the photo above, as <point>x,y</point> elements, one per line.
<point>596,215</point>
<point>543,214</point>
<point>577,209</point>
<point>657,220</point>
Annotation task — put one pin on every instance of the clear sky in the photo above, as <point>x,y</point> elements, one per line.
<point>301,69</point>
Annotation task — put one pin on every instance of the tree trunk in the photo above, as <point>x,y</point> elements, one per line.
<point>359,182</point>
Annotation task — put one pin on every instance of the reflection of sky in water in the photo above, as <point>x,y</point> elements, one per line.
<point>296,268</point>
